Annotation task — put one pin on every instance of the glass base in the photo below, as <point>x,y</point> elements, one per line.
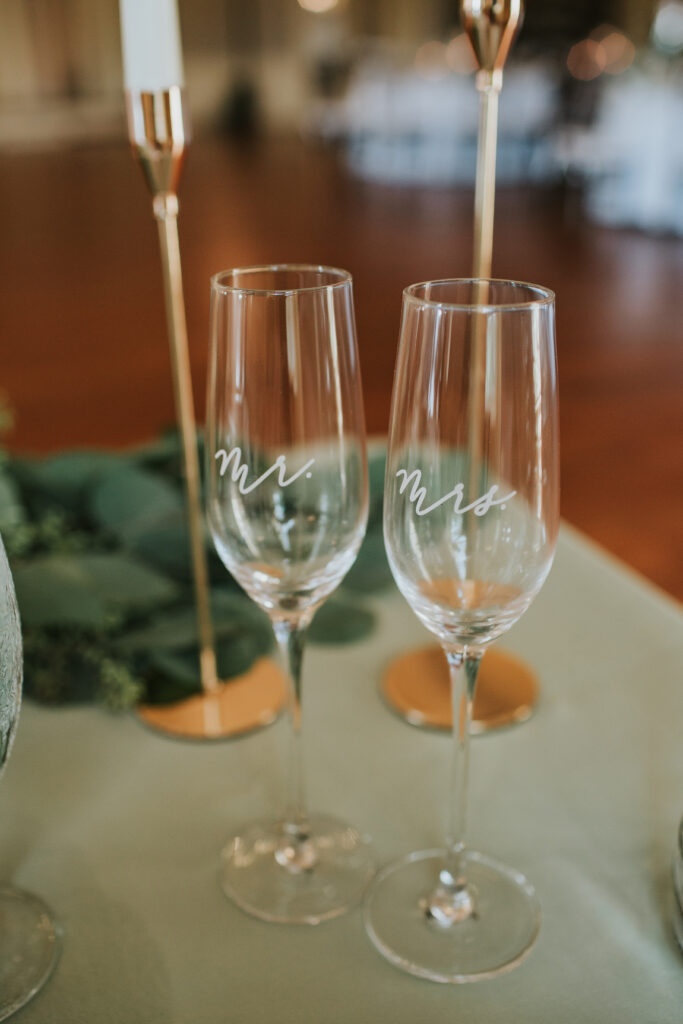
<point>480,941</point>
<point>29,948</point>
<point>282,874</point>
<point>417,686</point>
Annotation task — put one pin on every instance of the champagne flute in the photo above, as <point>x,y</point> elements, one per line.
<point>29,936</point>
<point>287,508</point>
<point>471,514</point>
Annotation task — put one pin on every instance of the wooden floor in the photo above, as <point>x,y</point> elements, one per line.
<point>83,350</point>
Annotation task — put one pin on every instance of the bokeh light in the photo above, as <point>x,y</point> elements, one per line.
<point>459,55</point>
<point>619,50</point>
<point>586,60</point>
<point>431,60</point>
<point>667,28</point>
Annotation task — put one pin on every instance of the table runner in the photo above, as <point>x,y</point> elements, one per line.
<point>119,829</point>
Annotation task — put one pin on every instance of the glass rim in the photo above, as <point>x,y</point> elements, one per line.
<point>343,278</point>
<point>544,296</point>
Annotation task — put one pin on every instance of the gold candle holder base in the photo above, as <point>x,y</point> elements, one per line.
<point>247,702</point>
<point>417,687</point>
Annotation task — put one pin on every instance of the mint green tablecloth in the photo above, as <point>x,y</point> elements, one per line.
<point>119,829</point>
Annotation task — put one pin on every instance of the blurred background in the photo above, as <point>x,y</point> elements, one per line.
<point>344,131</point>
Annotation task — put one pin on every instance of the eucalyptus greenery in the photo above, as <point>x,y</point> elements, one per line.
<point>100,554</point>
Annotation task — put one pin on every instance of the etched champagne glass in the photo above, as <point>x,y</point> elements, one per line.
<point>29,936</point>
<point>287,508</point>
<point>471,513</point>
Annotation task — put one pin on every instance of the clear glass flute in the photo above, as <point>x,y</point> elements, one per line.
<point>287,508</point>
<point>29,936</point>
<point>471,514</point>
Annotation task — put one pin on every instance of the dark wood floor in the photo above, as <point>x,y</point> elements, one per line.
<point>83,350</point>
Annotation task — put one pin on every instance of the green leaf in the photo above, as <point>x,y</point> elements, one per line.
<point>122,581</point>
<point>176,673</point>
<point>172,630</point>
<point>11,510</point>
<point>129,501</point>
<point>166,545</point>
<point>160,452</point>
<point>376,470</point>
<point>117,687</point>
<point>176,630</point>
<point>370,572</point>
<point>67,477</point>
<point>82,590</point>
<point>236,654</point>
<point>179,667</point>
<point>340,622</point>
<point>53,591</point>
<point>228,607</point>
<point>59,675</point>
<point>170,679</point>
<point>219,574</point>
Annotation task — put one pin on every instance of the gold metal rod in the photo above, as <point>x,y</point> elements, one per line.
<point>484,208</point>
<point>166,213</point>
<point>485,188</point>
<point>490,26</point>
<point>159,134</point>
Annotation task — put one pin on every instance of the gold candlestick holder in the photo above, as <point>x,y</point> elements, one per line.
<point>158,131</point>
<point>417,683</point>
<point>491,27</point>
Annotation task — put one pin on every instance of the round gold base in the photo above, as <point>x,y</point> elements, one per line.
<point>416,685</point>
<point>245,703</point>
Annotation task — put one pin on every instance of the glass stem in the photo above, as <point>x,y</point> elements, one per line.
<point>464,668</point>
<point>295,852</point>
<point>452,901</point>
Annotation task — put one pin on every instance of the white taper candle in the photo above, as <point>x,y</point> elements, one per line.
<point>150,33</point>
